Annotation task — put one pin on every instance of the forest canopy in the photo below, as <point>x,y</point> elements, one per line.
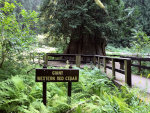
<point>85,23</point>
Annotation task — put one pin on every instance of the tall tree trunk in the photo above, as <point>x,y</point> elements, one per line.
<point>87,45</point>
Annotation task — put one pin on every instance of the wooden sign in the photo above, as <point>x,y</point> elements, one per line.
<point>57,75</point>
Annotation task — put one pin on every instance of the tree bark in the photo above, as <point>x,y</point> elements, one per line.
<point>87,45</point>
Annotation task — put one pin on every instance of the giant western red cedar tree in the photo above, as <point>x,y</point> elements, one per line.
<point>84,22</point>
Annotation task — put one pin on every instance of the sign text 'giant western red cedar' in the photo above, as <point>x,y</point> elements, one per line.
<point>57,75</point>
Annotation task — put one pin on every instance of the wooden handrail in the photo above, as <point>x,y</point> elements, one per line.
<point>95,58</point>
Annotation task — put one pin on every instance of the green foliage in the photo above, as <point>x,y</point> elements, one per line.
<point>141,45</point>
<point>74,19</point>
<point>31,4</point>
<point>114,50</point>
<point>93,93</point>
<point>144,10</point>
<point>141,42</point>
<point>16,34</point>
<point>12,68</point>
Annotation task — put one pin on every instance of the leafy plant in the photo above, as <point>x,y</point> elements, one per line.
<point>141,42</point>
<point>16,34</point>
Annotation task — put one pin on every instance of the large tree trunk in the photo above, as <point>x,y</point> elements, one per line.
<point>87,45</point>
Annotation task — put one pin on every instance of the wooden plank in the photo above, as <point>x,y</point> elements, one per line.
<point>78,60</point>
<point>98,63</point>
<point>58,60</point>
<point>94,60</point>
<point>137,58</point>
<point>113,68</point>
<point>143,67</point>
<point>59,55</point>
<point>69,92</point>
<point>117,70</point>
<point>104,62</point>
<point>87,56</point>
<point>46,59</point>
<point>128,72</point>
<point>44,90</point>
<point>39,59</point>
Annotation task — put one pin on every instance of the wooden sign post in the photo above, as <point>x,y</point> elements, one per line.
<point>56,75</point>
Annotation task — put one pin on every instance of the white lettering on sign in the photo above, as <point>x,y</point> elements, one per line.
<point>71,78</point>
<point>57,72</point>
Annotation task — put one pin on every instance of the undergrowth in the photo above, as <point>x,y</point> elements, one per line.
<point>111,48</point>
<point>94,93</point>
<point>143,72</point>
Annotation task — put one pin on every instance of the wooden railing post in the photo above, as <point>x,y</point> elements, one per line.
<point>44,90</point>
<point>94,60</point>
<point>128,78</point>
<point>78,60</point>
<point>98,62</point>
<point>104,61</point>
<point>139,68</point>
<point>46,59</point>
<point>39,59</point>
<point>113,68</point>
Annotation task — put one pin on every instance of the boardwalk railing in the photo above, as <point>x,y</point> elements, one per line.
<point>95,59</point>
<point>139,61</point>
<point>139,65</point>
<point>37,56</point>
<point>126,62</point>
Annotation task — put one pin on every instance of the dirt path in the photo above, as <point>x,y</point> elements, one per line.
<point>137,81</point>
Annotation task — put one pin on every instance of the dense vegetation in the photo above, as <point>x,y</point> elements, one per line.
<point>144,12</point>
<point>17,34</point>
<point>119,23</point>
<point>93,93</point>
